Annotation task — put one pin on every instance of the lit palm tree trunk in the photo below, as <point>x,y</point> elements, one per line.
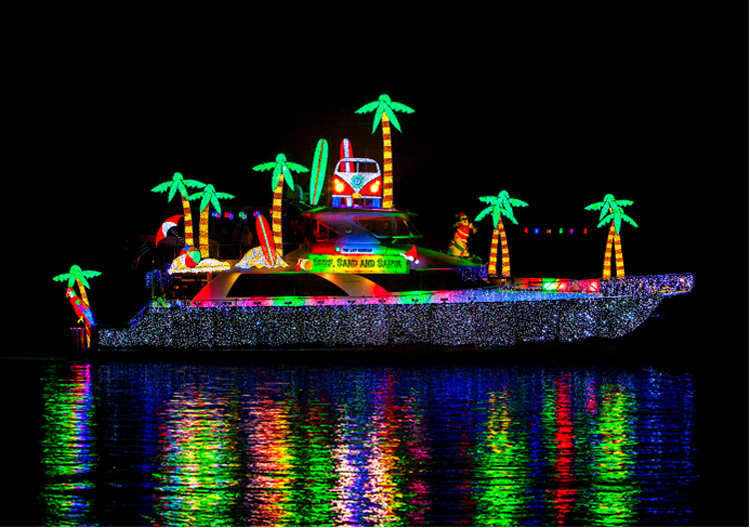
<point>387,164</point>
<point>619,263</point>
<point>189,238</point>
<point>82,292</point>
<point>607,272</point>
<point>504,248</point>
<point>276,216</point>
<point>204,233</point>
<point>492,266</point>
<point>85,299</point>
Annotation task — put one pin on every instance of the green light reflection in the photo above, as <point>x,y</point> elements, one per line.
<point>615,489</point>
<point>198,481</point>
<point>68,445</point>
<point>501,457</point>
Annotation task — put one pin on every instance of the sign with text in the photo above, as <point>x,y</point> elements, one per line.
<point>358,264</point>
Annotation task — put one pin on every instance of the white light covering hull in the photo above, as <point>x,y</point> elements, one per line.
<point>481,317</point>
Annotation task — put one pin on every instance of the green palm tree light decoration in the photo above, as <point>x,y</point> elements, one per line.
<point>385,113</point>
<point>208,197</point>
<point>611,211</point>
<point>499,206</point>
<point>179,184</point>
<point>282,171</point>
<point>78,276</point>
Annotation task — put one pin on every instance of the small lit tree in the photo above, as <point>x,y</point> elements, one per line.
<point>179,184</point>
<point>499,206</point>
<point>208,196</point>
<point>385,113</point>
<point>78,277</point>
<point>282,171</point>
<point>611,211</point>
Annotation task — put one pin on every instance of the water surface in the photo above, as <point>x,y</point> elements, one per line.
<point>140,443</point>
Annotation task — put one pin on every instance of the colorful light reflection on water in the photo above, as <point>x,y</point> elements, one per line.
<point>160,444</point>
<point>68,446</point>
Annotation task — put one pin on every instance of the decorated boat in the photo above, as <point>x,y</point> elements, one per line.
<point>357,282</point>
<point>356,272</point>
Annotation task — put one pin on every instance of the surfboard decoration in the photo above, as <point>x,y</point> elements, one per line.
<point>345,151</point>
<point>318,174</point>
<point>265,236</point>
<point>263,256</point>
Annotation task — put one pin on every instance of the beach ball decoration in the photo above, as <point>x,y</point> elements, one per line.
<point>190,256</point>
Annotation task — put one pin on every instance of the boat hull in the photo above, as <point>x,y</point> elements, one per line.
<point>480,317</point>
<point>481,324</point>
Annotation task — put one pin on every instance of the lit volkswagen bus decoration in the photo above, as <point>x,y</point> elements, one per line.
<point>359,186</point>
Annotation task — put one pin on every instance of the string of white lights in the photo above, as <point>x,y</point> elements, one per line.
<point>480,324</point>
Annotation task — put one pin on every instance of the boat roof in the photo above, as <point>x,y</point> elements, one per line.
<point>344,213</point>
<point>380,223</point>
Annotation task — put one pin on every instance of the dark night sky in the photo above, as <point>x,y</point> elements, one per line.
<point>648,108</point>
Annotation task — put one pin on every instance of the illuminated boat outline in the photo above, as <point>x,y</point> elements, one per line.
<point>364,311</point>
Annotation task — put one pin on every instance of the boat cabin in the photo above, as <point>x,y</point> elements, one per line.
<point>357,231</point>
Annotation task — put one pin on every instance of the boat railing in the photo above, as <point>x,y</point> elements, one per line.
<point>646,285</point>
<point>552,285</point>
<point>636,286</point>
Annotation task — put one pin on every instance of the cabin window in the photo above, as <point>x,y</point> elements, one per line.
<point>404,228</point>
<point>381,226</point>
<point>318,231</point>
<point>388,226</point>
<point>419,280</point>
<point>322,232</point>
